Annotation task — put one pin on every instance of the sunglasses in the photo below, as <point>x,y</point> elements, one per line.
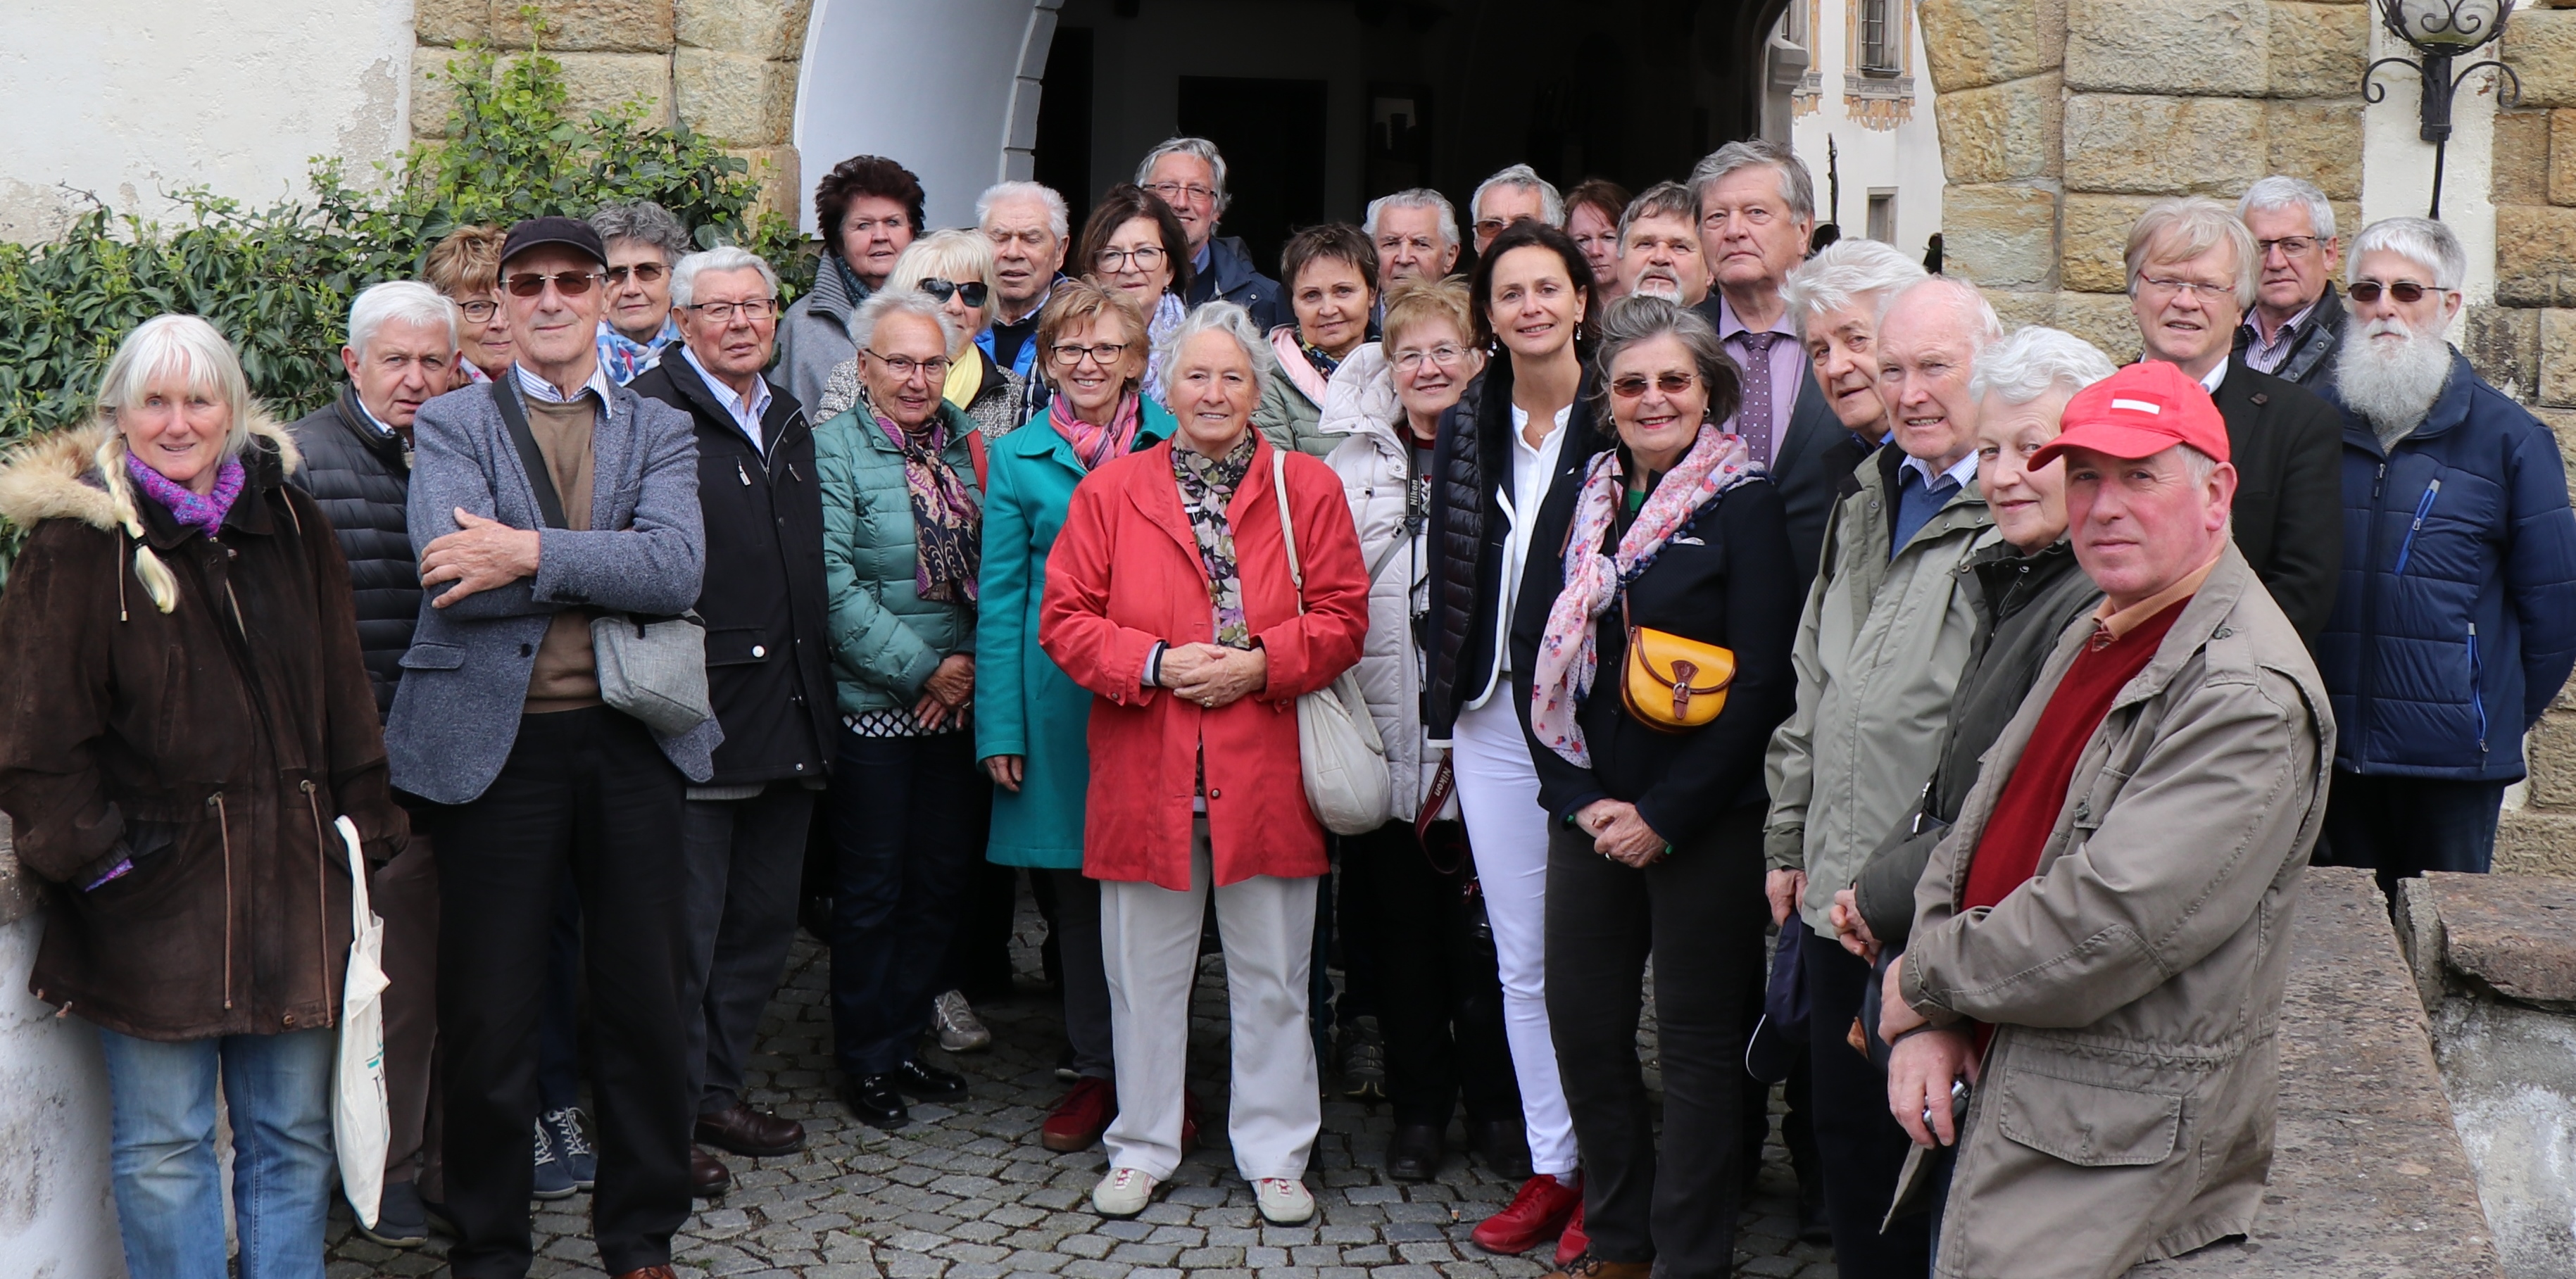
<point>1632,386</point>
<point>571,284</point>
<point>973,291</point>
<point>645,272</point>
<point>2406,291</point>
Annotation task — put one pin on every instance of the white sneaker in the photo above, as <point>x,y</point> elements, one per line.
<point>1283,1202</point>
<point>960,1030</point>
<point>1126,1191</point>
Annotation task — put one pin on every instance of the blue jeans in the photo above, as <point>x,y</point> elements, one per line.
<point>169,1199</point>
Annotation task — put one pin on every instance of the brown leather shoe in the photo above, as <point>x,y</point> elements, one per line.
<point>708,1177</point>
<point>1588,1266</point>
<point>650,1272</point>
<point>746,1131</point>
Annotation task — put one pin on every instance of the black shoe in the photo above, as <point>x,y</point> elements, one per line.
<point>400,1220</point>
<point>1363,1061</point>
<point>1414,1153</point>
<point>815,913</point>
<point>876,1103</point>
<point>1504,1146</point>
<point>927,1083</point>
<point>1812,1226</point>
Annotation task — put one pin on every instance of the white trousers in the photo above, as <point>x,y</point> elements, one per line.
<point>1498,797</point>
<point>1149,941</point>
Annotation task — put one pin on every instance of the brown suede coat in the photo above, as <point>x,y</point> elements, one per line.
<point>213,744</point>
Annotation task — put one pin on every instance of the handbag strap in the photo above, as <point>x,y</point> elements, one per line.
<point>1287,530</point>
<point>532,458</point>
<point>359,908</point>
<point>1444,783</point>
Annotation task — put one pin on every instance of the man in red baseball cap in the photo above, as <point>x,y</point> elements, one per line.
<point>2124,881</point>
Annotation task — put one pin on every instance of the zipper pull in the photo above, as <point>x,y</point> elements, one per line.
<point>741,474</point>
<point>2375,481</point>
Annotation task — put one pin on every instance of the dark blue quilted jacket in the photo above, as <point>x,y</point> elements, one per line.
<point>2455,617</point>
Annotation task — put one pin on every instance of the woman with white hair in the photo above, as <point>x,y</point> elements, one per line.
<point>1174,595</point>
<point>955,268</point>
<point>189,715</point>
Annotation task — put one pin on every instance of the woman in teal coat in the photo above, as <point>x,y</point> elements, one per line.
<point>1030,718</point>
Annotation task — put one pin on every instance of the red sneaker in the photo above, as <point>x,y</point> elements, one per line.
<point>1534,1216</point>
<point>1081,1117</point>
<point>1573,1243</point>
<point>1189,1123</point>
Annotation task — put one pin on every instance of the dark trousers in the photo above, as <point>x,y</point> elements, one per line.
<point>588,789</point>
<point>1862,1147</point>
<point>746,859</point>
<point>1355,936</point>
<point>404,892</point>
<point>559,1029</point>
<point>1440,1001</point>
<point>909,815</point>
<point>1086,978</point>
<point>1699,915</point>
<point>2405,826</point>
<point>979,952</point>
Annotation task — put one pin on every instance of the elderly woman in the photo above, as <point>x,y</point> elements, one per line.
<point>870,208</point>
<point>1029,717</point>
<point>465,268</point>
<point>1674,539</point>
<point>902,535</point>
<point>190,714</point>
<point>645,241</point>
<point>956,269</point>
<point>1592,212</point>
<point>1835,295</point>
<point>1331,272</point>
<point>1134,243</point>
<point>1174,595</point>
<point>1440,1001</point>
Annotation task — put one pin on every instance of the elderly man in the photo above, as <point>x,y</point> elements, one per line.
<point>1189,174</point>
<point>1027,224</point>
<point>1755,207</point>
<point>1513,193</point>
<point>2456,624</point>
<point>2108,920</point>
<point>1659,253</point>
<point>643,241</point>
<point>1886,634</point>
<point>768,676</point>
<point>2297,319</point>
<point>2191,271</point>
<point>538,502</point>
<point>1416,234</point>
<point>402,351</point>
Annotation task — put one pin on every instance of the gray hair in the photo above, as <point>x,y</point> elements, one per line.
<point>725,257</point>
<point>1415,198</point>
<point>2036,361</point>
<point>1214,317</point>
<point>1643,317</point>
<point>645,221</point>
<point>2186,227</point>
<point>1662,200</point>
<point>1059,220</point>
<point>406,301</point>
<point>188,348</point>
<point>1796,187</point>
<point>2280,191</point>
<point>1986,328</point>
<point>1196,148</point>
<point>1522,177</point>
<point>885,302</point>
<point>1847,273</point>
<point>2422,241</point>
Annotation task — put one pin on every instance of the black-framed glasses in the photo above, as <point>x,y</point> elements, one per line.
<point>754,310</point>
<point>571,284</point>
<point>479,311</point>
<point>1670,382</point>
<point>2405,291</point>
<point>904,367</point>
<point>644,273</point>
<point>1069,354</point>
<point>2292,245</point>
<point>972,291</point>
<point>1147,257</point>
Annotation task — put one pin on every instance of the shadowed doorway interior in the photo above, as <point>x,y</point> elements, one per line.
<point>1272,135</point>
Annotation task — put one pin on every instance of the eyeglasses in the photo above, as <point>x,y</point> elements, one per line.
<point>571,284</point>
<point>2405,291</point>
<point>973,291</point>
<point>754,310</point>
<point>1634,385</point>
<point>1445,355</point>
<point>644,272</point>
<point>1106,353</point>
<point>480,311</point>
<point>1493,226</point>
<point>1173,191</point>
<point>904,367</point>
<point>1146,258</point>
<point>2290,245</point>
<point>2196,288</point>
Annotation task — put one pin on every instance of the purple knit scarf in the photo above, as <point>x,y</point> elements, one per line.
<point>203,513</point>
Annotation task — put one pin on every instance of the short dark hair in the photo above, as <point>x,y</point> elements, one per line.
<point>1529,233</point>
<point>1124,203</point>
<point>1605,197</point>
<point>1333,241</point>
<point>864,175</point>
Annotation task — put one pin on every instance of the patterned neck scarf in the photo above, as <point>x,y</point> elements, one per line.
<point>1207,489</point>
<point>204,513</point>
<point>1315,356</point>
<point>1094,444</point>
<point>947,524</point>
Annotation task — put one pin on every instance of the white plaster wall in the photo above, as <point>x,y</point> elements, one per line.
<point>57,1220</point>
<point>1907,158</point>
<point>132,98</point>
<point>2397,165</point>
<point>932,86</point>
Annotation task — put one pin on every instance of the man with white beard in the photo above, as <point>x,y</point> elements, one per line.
<point>2456,621</point>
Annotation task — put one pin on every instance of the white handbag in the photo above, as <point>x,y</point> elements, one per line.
<point>361,1128</point>
<point>1339,753</point>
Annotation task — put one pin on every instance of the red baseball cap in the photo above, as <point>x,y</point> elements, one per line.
<point>2140,411</point>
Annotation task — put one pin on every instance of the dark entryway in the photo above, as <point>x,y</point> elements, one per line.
<point>1272,135</point>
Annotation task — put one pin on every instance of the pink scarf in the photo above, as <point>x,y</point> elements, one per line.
<point>202,513</point>
<point>1567,653</point>
<point>1094,444</point>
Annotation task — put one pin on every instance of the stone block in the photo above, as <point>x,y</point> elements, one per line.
<point>2553,356</point>
<point>761,28</point>
<point>2094,239</point>
<point>2551,752</point>
<point>2318,139</point>
<point>606,81</point>
<point>2317,50</point>
<point>1979,42</point>
<point>2524,146</point>
<point>2172,46</point>
<point>2102,319</point>
<point>733,98</point>
<point>2529,842</point>
<point>779,172</point>
<point>2539,269</point>
<point>2000,236</point>
<point>2540,46</point>
<point>2514,935</point>
<point>2021,307</point>
<point>432,97</point>
<point>2003,131</point>
<point>2503,344</point>
<point>585,26</point>
<point>2152,145</point>
<point>2559,169</point>
<point>452,22</point>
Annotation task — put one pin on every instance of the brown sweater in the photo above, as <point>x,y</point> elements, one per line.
<point>566,677</point>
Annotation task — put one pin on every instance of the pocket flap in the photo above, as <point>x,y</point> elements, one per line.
<point>433,657</point>
<point>2092,1125</point>
<point>737,646</point>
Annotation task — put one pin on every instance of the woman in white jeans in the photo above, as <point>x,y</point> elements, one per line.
<point>1501,450</point>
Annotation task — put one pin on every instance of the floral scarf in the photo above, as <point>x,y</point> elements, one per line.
<point>203,513</point>
<point>1094,444</point>
<point>1321,362</point>
<point>947,522</point>
<point>1168,313</point>
<point>1207,489</point>
<point>1567,653</point>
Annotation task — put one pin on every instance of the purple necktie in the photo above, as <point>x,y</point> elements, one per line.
<point>1753,422</point>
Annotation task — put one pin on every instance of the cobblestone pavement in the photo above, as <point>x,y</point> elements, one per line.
<point>967,1192</point>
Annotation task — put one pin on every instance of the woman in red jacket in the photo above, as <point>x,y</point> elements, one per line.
<point>1169,595</point>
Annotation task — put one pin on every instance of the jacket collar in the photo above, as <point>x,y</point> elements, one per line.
<point>2202,619</point>
<point>703,402</point>
<point>1036,439</point>
<point>874,432</point>
<point>1229,263</point>
<point>263,470</point>
<point>354,418</point>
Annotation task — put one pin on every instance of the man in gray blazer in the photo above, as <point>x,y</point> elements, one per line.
<point>499,725</point>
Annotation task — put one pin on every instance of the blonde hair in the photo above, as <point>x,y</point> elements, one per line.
<point>1082,301</point>
<point>1417,301</point>
<point>959,257</point>
<point>166,346</point>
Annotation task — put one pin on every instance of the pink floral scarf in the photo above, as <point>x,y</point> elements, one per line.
<point>1094,444</point>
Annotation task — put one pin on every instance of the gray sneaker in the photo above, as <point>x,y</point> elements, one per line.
<point>552,1182</point>
<point>960,1030</point>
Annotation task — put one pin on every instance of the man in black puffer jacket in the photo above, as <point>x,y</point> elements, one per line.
<point>357,467</point>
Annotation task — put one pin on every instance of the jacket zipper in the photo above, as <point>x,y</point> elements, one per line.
<point>2477,687</point>
<point>321,907</point>
<point>2366,696</point>
<point>224,834</point>
<point>2423,508</point>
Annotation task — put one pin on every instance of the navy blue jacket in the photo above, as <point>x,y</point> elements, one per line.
<point>2455,616</point>
<point>1231,277</point>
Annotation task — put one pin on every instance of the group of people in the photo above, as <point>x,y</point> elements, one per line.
<point>1697,581</point>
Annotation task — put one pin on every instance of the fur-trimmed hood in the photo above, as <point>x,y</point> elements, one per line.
<point>56,476</point>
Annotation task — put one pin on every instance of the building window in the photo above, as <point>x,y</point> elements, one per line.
<point>1882,215</point>
<point>1878,38</point>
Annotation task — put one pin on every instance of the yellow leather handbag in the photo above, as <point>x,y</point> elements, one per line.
<point>1669,683</point>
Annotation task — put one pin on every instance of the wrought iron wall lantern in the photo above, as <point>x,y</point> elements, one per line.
<point>2442,31</point>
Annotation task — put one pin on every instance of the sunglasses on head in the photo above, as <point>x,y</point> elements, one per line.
<point>571,284</point>
<point>972,291</point>
<point>2406,291</point>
